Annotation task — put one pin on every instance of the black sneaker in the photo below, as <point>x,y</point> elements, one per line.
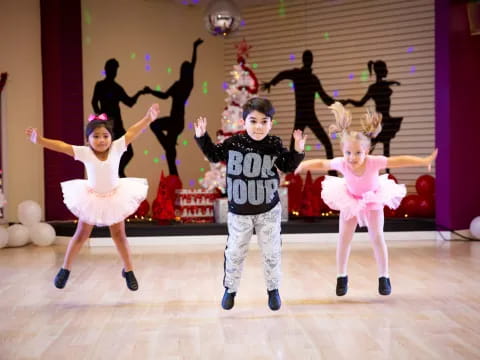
<point>61,278</point>
<point>342,285</point>
<point>228,300</point>
<point>384,286</point>
<point>130,279</point>
<point>274,301</point>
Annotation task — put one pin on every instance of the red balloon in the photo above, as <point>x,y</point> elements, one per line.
<point>425,185</point>
<point>410,205</point>
<point>426,207</point>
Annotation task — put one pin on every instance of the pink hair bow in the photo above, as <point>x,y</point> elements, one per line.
<point>101,117</point>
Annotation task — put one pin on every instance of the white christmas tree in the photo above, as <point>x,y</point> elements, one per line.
<point>242,86</point>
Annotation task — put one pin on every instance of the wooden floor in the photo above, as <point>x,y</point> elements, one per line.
<point>433,312</point>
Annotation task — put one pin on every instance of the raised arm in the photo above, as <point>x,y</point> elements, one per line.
<point>50,144</point>
<point>134,131</point>
<point>194,54</point>
<point>406,160</point>
<point>214,153</point>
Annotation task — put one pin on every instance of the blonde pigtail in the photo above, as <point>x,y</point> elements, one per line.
<point>371,124</point>
<point>343,119</point>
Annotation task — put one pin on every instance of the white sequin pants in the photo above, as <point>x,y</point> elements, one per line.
<point>240,230</point>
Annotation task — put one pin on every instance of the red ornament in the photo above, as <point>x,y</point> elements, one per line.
<point>425,186</point>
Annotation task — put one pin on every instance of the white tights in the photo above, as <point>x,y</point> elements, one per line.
<point>375,222</point>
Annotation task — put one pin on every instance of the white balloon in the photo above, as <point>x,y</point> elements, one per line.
<point>29,212</point>
<point>475,227</point>
<point>18,235</point>
<point>3,237</point>
<point>42,234</point>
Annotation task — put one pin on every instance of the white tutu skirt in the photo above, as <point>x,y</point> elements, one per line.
<point>336,195</point>
<point>104,209</point>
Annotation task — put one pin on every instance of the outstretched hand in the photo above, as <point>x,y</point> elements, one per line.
<point>200,126</point>
<point>266,86</point>
<point>431,158</point>
<point>198,42</point>
<point>153,112</point>
<point>31,134</point>
<point>300,140</point>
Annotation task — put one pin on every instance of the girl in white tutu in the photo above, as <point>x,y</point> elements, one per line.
<point>362,193</point>
<point>103,199</point>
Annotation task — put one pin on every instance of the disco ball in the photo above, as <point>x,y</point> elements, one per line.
<point>222,17</point>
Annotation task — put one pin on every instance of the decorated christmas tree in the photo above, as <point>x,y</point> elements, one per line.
<point>242,86</point>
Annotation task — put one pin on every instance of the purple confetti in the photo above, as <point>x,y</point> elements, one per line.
<point>335,93</point>
<point>147,67</point>
<point>190,125</point>
<point>186,102</point>
<point>351,76</point>
<point>318,146</point>
<point>192,182</point>
<point>412,69</point>
<point>292,57</point>
<point>225,85</point>
<point>103,73</point>
<point>177,162</point>
<point>242,23</point>
<point>410,49</point>
<point>147,57</point>
<point>163,157</point>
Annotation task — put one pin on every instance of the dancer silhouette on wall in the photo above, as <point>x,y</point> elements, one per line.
<point>167,129</point>
<point>306,85</point>
<point>380,92</point>
<point>107,96</point>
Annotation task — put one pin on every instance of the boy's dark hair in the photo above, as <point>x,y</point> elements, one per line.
<point>261,105</point>
<point>92,125</point>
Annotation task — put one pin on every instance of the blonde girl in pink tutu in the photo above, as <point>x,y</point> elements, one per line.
<point>362,193</point>
<point>103,199</point>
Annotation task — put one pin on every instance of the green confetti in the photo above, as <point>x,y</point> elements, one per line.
<point>202,169</point>
<point>156,160</point>
<point>185,142</point>
<point>255,65</point>
<point>158,88</point>
<point>317,95</point>
<point>169,70</point>
<point>145,152</point>
<point>133,56</point>
<point>308,148</point>
<point>87,16</point>
<point>326,36</point>
<point>364,75</point>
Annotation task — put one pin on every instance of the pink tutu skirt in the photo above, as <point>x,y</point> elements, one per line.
<point>104,209</point>
<point>336,195</point>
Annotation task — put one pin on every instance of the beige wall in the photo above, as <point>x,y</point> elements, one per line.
<point>20,56</point>
<point>165,31</point>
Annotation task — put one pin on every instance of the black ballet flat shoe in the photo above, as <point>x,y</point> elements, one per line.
<point>228,300</point>
<point>130,279</point>
<point>274,301</point>
<point>384,286</point>
<point>61,278</point>
<point>342,285</point>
